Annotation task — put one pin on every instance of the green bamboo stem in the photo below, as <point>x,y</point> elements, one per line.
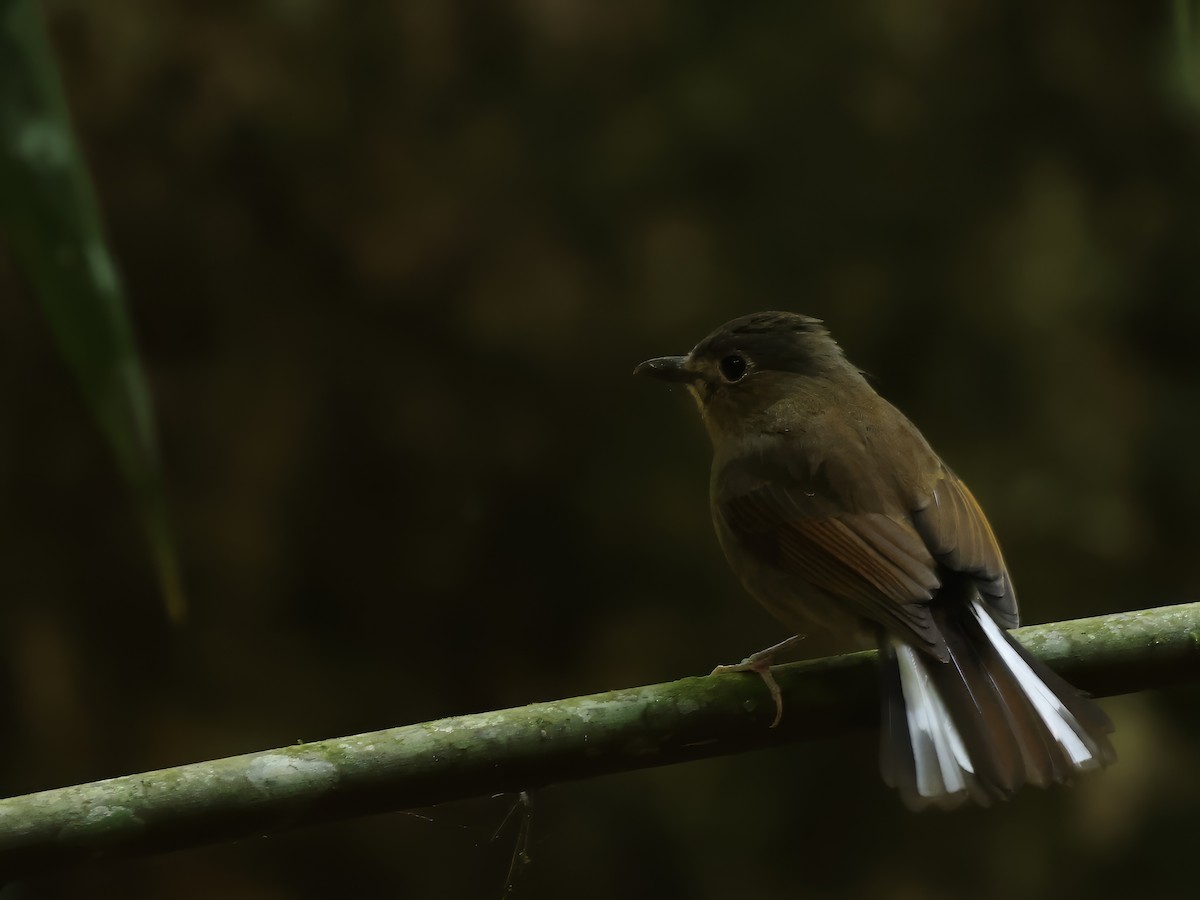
<point>531,746</point>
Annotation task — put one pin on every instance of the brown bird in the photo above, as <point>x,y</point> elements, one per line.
<point>833,509</point>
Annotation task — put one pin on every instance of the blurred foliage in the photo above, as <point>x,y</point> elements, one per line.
<point>392,264</point>
<point>49,219</point>
<point>1186,26</point>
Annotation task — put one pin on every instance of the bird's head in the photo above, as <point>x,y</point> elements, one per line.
<point>748,365</point>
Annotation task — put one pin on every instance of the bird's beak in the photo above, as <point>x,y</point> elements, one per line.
<point>667,368</point>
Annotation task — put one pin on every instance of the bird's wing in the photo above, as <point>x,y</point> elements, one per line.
<point>885,560</point>
<point>953,527</point>
<point>874,562</point>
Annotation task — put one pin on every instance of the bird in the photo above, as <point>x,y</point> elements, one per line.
<point>835,512</point>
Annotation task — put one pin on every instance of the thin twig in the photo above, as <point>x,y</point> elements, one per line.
<point>515,750</point>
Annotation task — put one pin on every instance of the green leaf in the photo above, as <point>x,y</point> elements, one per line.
<point>50,219</point>
<point>1187,56</point>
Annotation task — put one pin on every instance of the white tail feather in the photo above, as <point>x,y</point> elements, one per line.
<point>942,764</point>
<point>1059,720</point>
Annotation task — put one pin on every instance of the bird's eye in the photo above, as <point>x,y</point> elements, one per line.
<point>733,367</point>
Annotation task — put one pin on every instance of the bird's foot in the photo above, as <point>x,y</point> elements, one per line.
<point>760,663</point>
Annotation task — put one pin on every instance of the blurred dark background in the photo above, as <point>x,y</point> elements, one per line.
<point>391,265</point>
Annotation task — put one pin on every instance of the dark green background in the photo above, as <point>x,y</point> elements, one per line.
<point>391,265</point>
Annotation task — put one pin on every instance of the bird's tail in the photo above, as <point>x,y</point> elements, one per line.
<point>990,719</point>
